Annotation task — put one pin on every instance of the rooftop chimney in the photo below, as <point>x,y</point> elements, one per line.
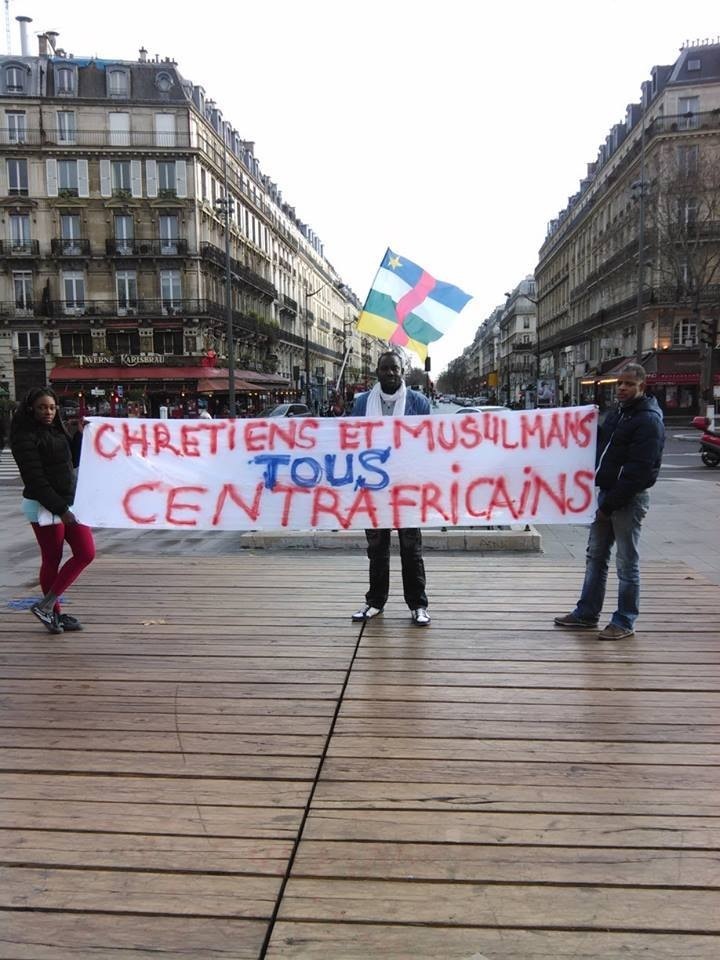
<point>43,45</point>
<point>52,36</point>
<point>143,55</point>
<point>24,47</point>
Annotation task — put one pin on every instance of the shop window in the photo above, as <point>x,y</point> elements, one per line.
<point>168,342</point>
<point>123,341</point>
<point>73,344</point>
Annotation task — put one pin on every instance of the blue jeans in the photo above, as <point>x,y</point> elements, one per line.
<point>622,529</point>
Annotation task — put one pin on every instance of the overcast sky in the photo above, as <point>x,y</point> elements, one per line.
<point>451,131</point>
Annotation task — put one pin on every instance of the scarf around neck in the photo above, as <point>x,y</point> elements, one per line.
<point>376,396</point>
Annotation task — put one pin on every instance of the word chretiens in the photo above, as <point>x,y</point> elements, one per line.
<point>346,473</point>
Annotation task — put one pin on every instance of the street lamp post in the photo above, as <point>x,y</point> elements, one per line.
<point>308,296</point>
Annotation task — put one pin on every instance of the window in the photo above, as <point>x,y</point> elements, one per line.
<point>170,290</point>
<point>688,159</point>
<point>15,79</point>
<point>29,343</point>
<point>16,128</point>
<point>168,341</point>
<point>67,172</point>
<point>688,211</point>
<point>688,108</point>
<point>74,291</point>
<point>685,334</point>
<point>64,80</point>
<point>169,229</point>
<point>203,184</point>
<point>70,233</point>
<point>164,82</point>
<point>526,323</point>
<point>166,177</point>
<point>126,286</point>
<point>75,344</point>
<point>693,65</point>
<point>120,173</point>
<point>118,83</point>
<point>17,172</point>
<point>119,124</point>
<point>123,341</point>
<point>22,286</point>
<point>67,178</point>
<point>66,126</point>
<point>20,232</point>
<point>165,130</point>
<point>124,233</point>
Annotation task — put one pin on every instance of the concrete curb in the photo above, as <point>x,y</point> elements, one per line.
<point>487,540</point>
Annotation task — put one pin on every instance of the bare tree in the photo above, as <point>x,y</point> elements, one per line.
<point>684,224</point>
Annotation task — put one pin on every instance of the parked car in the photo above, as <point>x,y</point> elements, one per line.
<point>286,410</point>
<point>485,409</point>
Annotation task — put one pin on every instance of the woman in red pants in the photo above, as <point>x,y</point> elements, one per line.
<point>40,445</point>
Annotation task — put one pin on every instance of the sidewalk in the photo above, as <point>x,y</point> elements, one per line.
<point>222,765</point>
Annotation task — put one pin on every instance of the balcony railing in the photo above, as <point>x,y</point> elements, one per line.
<point>11,308</point>
<point>210,252</point>
<point>19,248</point>
<point>288,305</point>
<point>97,138</point>
<point>61,247</point>
<point>174,247</point>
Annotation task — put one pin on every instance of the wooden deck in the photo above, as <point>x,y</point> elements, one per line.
<point>223,766</point>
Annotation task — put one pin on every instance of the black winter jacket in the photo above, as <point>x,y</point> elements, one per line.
<point>43,457</point>
<point>629,452</point>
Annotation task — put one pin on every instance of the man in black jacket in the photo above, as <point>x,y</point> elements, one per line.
<point>629,453</point>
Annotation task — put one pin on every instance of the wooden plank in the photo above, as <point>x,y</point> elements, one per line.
<point>167,852</point>
<point>158,764</point>
<point>589,830</point>
<point>508,906</point>
<point>118,891</point>
<point>355,941</point>
<point>535,774</point>
<point>567,797</point>
<point>259,792</point>
<point>526,729</point>
<point>145,819</point>
<point>170,741</point>
<point>88,936</point>
<point>490,863</point>
<point>517,750</point>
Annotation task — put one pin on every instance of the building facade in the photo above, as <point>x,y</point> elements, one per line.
<point>630,268</point>
<point>113,249</point>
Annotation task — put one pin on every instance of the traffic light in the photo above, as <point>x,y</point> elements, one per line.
<point>708,331</point>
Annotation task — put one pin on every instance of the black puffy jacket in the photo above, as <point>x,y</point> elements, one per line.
<point>42,454</point>
<point>629,452</point>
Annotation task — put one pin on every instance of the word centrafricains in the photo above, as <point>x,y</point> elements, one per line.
<point>299,474</point>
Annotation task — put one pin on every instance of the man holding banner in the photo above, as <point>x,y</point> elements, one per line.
<point>390,397</point>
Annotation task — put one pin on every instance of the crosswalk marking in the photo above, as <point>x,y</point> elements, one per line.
<point>8,467</point>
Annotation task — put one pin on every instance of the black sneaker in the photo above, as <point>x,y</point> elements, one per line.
<point>573,621</point>
<point>69,623</point>
<point>49,618</point>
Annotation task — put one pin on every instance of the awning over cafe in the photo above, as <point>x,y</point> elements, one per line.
<point>208,379</point>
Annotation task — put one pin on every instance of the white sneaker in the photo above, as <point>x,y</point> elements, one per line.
<point>420,617</point>
<point>366,613</point>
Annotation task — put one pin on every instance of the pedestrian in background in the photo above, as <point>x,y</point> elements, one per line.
<point>390,397</point>
<point>629,453</point>
<point>41,448</point>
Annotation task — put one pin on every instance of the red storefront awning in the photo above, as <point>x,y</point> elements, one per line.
<point>108,374</point>
<point>678,377</point>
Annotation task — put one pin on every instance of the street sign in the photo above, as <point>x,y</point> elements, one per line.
<point>97,392</point>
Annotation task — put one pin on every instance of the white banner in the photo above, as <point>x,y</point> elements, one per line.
<point>463,469</point>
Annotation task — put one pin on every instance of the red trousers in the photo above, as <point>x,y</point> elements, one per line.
<point>54,578</point>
